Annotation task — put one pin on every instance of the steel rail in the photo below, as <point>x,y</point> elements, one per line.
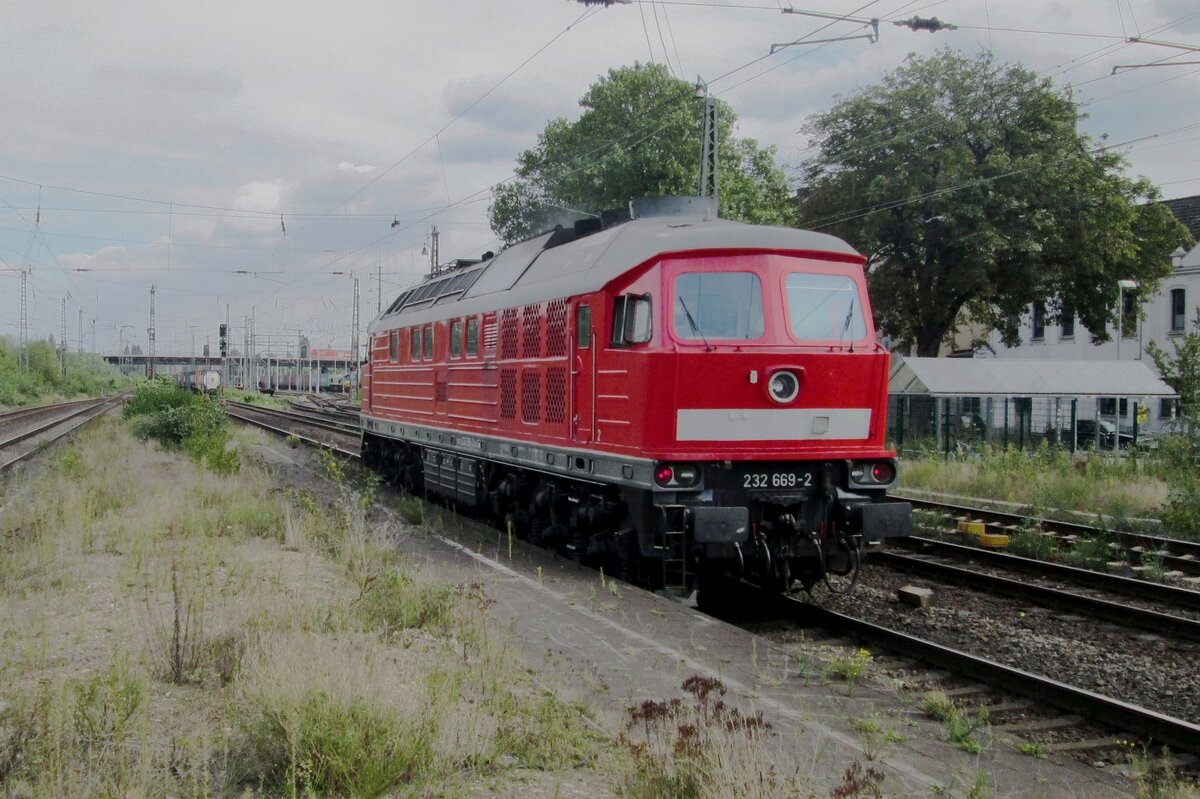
<point>1176,733</point>
<point>95,405</point>
<point>1128,586</point>
<point>1124,615</point>
<point>285,432</point>
<point>313,419</point>
<point>16,414</point>
<point>1177,548</point>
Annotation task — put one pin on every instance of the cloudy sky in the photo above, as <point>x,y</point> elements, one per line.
<point>254,155</point>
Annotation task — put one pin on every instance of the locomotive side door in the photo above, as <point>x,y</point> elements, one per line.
<point>583,376</point>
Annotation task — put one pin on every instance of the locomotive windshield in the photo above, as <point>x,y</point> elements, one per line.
<point>824,308</point>
<point>718,305</point>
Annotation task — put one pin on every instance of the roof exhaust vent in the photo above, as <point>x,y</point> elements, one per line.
<point>701,207</point>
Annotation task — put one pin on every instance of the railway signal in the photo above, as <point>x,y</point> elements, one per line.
<point>222,329</point>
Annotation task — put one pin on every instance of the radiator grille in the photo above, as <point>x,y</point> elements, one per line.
<point>508,333</point>
<point>556,395</point>
<point>531,397</point>
<point>531,342</point>
<point>508,394</point>
<point>556,329</point>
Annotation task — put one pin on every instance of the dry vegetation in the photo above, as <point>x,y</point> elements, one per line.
<point>170,631</point>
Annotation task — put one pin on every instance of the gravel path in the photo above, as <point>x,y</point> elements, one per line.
<point>1135,666</point>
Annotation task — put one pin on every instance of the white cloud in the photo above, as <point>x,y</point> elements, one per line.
<point>346,166</point>
<point>260,195</point>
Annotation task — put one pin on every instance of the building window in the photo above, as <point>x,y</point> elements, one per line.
<point>1129,320</point>
<point>1167,408</point>
<point>1038,321</point>
<point>1178,310</point>
<point>1068,322</point>
<point>1110,406</point>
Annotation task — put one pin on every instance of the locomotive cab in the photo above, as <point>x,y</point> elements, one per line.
<point>763,411</point>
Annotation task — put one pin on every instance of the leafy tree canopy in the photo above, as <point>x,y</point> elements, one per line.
<point>638,136</point>
<point>969,188</point>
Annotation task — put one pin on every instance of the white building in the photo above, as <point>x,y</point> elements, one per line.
<point>1162,317</point>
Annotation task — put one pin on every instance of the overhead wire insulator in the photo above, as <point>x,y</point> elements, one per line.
<point>930,24</point>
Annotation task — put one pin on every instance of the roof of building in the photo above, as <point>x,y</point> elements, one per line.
<point>1187,211</point>
<point>994,377</point>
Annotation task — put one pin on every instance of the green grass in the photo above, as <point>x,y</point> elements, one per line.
<point>961,725</point>
<point>1050,480</point>
<point>327,745</point>
<point>396,601</point>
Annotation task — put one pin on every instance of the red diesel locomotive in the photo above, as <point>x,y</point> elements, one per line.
<point>676,397</point>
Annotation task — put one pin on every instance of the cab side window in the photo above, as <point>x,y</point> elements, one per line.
<point>631,320</point>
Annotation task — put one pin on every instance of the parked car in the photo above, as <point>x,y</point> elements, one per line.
<point>1088,430</point>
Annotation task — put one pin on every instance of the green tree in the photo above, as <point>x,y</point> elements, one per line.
<point>638,136</point>
<point>973,195</point>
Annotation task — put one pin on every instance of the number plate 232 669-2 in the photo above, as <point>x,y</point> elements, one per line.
<point>777,480</point>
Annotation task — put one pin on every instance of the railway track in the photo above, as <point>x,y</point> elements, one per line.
<point>311,428</point>
<point>1123,613</point>
<point>26,431</point>
<point>1179,734</point>
<point>1175,554</point>
<point>1170,595</point>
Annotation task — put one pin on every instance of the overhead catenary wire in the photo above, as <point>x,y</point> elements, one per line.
<point>358,251</point>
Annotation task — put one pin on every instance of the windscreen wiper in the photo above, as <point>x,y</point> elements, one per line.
<point>692,322</point>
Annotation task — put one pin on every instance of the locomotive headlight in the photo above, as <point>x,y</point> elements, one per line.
<point>783,386</point>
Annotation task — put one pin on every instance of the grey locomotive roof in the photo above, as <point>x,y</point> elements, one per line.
<point>527,273</point>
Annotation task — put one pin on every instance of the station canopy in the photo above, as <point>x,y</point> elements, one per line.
<point>981,377</point>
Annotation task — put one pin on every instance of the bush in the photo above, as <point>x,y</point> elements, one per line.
<point>43,376</point>
<point>1182,514</point>
<point>179,419</point>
